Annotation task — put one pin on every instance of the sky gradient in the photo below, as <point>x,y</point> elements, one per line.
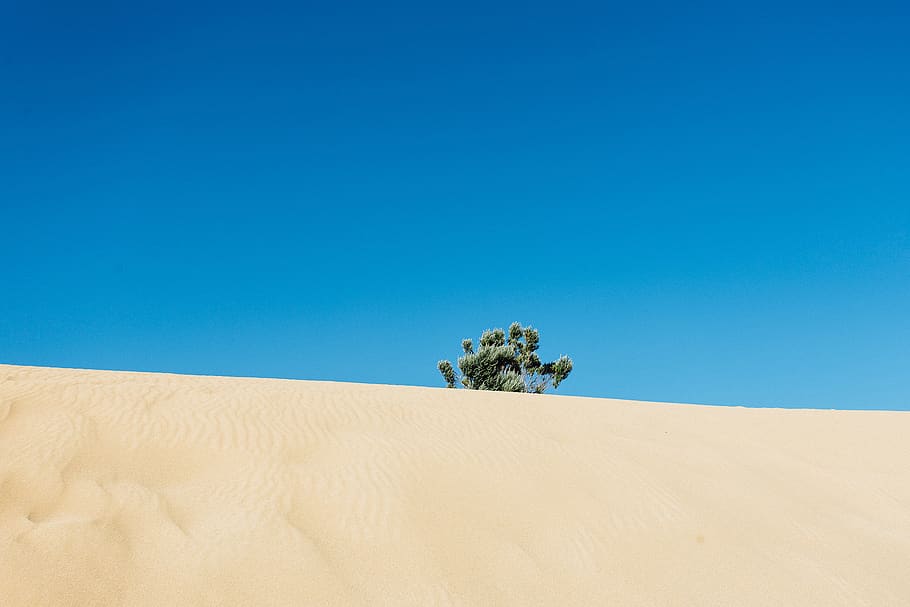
<point>702,203</point>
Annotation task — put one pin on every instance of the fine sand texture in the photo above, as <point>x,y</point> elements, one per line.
<point>168,490</point>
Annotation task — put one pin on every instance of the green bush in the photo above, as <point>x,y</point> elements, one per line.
<point>506,364</point>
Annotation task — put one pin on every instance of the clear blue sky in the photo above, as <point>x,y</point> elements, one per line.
<point>699,202</point>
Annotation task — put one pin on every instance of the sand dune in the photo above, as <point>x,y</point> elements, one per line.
<point>153,489</point>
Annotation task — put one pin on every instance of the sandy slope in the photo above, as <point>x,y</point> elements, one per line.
<point>148,489</point>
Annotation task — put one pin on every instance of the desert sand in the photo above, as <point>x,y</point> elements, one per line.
<point>155,489</point>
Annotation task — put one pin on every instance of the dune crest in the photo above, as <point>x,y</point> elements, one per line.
<point>154,489</point>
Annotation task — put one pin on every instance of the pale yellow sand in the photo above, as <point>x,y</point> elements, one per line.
<point>162,490</point>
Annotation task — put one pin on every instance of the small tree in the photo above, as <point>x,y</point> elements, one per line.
<point>506,364</point>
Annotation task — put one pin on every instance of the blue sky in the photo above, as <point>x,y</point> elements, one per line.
<point>699,203</point>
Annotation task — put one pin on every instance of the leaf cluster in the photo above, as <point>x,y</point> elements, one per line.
<point>506,363</point>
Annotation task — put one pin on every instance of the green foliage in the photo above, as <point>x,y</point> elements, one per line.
<point>448,373</point>
<point>506,363</point>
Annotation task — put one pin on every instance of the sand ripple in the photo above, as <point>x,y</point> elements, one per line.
<point>155,489</point>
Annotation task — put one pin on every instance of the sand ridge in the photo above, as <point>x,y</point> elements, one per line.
<point>139,489</point>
